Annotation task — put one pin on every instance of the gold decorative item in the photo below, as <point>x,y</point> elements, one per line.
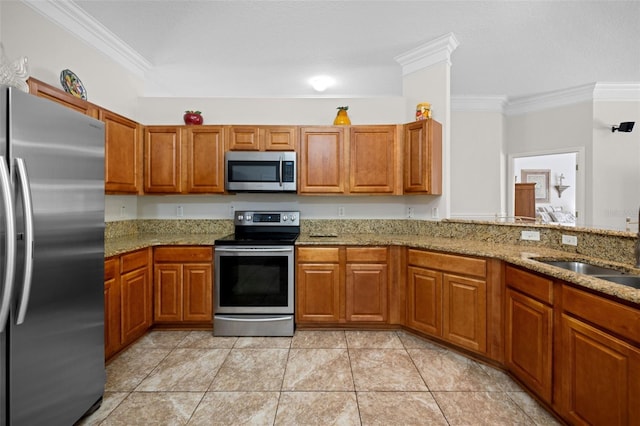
<point>342,118</point>
<point>423,111</point>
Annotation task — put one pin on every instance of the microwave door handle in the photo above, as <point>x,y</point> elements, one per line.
<point>10,243</point>
<point>281,169</point>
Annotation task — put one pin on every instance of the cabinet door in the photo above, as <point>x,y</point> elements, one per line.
<point>278,138</point>
<point>135,304</point>
<point>465,312</point>
<point>167,278</point>
<point>366,292</point>
<point>372,159</point>
<point>423,157</point>
<point>162,155</point>
<point>111,307</point>
<point>197,293</point>
<point>529,334</point>
<point>244,138</point>
<point>318,292</point>
<point>123,154</point>
<point>424,300</point>
<point>44,90</point>
<point>205,160</point>
<point>322,164</point>
<point>600,376</point>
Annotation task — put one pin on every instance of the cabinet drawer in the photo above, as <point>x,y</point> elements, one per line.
<point>533,285</point>
<point>111,268</point>
<point>366,254</point>
<point>318,254</point>
<point>448,262</point>
<point>132,261</point>
<point>618,318</point>
<point>183,254</point>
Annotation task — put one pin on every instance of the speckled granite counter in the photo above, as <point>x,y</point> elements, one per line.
<point>517,254</point>
<point>609,248</point>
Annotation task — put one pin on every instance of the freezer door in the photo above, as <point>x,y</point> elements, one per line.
<point>56,356</point>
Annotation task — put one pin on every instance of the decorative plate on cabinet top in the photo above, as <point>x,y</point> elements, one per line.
<point>72,84</point>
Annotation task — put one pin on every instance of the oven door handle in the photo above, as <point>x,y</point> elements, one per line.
<point>288,318</point>
<point>253,250</point>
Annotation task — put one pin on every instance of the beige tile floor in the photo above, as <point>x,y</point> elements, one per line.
<point>316,377</point>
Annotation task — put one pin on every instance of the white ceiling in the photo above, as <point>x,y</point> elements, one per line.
<point>271,48</point>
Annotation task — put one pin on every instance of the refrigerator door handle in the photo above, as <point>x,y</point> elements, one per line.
<point>27,207</point>
<point>10,243</point>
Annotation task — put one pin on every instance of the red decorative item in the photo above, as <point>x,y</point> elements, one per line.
<point>193,117</point>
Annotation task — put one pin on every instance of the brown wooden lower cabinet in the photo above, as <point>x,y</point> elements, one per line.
<point>447,297</point>
<point>128,312</point>
<point>529,330</point>
<point>342,285</point>
<point>598,360</point>
<point>183,286</point>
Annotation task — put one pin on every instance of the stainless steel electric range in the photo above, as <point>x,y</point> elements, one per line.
<point>254,275</point>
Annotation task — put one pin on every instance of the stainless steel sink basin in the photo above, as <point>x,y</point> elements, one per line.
<point>582,268</point>
<point>628,280</point>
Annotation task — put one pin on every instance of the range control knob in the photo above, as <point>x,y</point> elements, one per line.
<point>285,217</point>
<point>240,217</point>
<point>248,218</point>
<point>293,218</point>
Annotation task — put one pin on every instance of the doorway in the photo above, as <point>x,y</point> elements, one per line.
<point>559,184</point>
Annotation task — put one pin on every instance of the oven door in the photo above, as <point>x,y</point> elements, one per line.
<point>254,280</point>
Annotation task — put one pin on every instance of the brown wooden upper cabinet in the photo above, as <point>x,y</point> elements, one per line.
<point>184,159</point>
<point>44,90</point>
<point>123,143</point>
<point>349,160</point>
<point>423,157</point>
<point>123,154</point>
<point>262,138</point>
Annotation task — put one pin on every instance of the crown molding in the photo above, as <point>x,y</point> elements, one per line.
<point>72,18</point>
<point>573,95</point>
<point>479,103</point>
<point>430,53</point>
<point>617,92</point>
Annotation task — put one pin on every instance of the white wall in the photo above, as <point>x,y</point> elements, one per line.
<point>477,164</point>
<point>50,50</point>
<point>615,183</point>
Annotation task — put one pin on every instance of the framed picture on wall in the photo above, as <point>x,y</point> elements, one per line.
<point>541,179</point>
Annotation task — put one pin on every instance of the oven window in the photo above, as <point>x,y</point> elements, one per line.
<point>253,280</point>
<point>254,171</point>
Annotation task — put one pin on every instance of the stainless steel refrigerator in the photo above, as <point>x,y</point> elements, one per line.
<point>51,261</point>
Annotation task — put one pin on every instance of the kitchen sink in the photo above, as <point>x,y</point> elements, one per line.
<point>582,267</point>
<point>628,280</point>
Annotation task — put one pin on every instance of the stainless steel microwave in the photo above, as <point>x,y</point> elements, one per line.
<point>250,171</point>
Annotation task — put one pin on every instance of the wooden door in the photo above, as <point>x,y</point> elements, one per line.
<point>600,376</point>
<point>197,292</point>
<point>163,156</point>
<point>318,292</point>
<point>529,338</point>
<point>122,155</point>
<point>280,138</point>
<point>244,138</point>
<point>205,160</point>
<point>322,160</point>
<point>424,300</point>
<point>136,304</point>
<point>167,289</point>
<point>465,312</point>
<point>111,307</point>
<point>372,159</point>
<point>366,292</point>
<point>423,157</point>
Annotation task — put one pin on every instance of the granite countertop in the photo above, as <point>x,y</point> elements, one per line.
<point>520,255</point>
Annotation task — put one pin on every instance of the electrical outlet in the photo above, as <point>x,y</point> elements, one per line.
<point>570,240</point>
<point>123,211</point>
<point>232,210</point>
<point>530,235</point>
<point>409,212</point>
<point>179,211</point>
<point>341,211</point>
<point>434,213</point>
